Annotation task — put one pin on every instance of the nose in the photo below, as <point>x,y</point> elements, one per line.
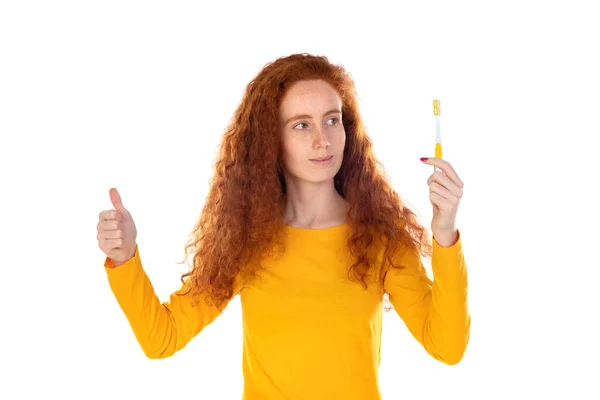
<point>320,139</point>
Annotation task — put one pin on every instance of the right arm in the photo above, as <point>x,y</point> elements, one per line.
<point>161,329</point>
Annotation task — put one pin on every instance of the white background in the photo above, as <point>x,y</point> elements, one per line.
<point>136,95</point>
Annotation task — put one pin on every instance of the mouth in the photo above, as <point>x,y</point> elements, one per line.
<point>322,158</point>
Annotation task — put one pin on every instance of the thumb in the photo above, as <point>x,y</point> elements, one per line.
<point>115,199</point>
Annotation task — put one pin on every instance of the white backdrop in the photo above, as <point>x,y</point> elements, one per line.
<point>136,95</point>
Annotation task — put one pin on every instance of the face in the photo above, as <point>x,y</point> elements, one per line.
<point>310,122</point>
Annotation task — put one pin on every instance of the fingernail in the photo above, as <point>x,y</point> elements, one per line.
<point>424,159</point>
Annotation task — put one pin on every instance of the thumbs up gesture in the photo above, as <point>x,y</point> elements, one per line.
<point>117,232</point>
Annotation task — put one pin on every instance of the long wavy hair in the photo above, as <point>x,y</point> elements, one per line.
<point>244,210</point>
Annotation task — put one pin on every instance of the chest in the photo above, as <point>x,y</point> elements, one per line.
<point>310,284</point>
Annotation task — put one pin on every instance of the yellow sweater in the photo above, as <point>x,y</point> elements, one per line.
<point>309,332</point>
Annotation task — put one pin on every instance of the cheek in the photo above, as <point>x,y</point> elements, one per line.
<point>292,150</point>
<point>340,140</point>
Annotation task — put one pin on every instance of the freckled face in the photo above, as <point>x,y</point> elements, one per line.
<point>310,122</point>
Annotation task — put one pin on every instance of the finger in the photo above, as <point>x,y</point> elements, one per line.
<point>109,225</point>
<point>111,243</point>
<point>116,234</point>
<point>446,167</point>
<point>435,187</point>
<point>440,201</point>
<point>115,199</point>
<point>443,180</point>
<point>110,215</point>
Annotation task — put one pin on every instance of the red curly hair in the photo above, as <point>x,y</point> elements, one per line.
<point>244,210</point>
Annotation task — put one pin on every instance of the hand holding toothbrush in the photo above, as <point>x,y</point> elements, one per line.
<point>445,192</point>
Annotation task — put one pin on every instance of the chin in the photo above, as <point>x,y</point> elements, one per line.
<point>319,176</point>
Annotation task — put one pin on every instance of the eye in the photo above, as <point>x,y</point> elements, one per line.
<point>335,119</point>
<point>301,123</point>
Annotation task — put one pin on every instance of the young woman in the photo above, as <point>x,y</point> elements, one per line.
<point>302,223</point>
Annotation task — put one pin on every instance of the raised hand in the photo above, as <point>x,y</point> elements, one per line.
<point>445,192</point>
<point>116,231</point>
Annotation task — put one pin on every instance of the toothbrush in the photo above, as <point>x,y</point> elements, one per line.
<point>438,138</point>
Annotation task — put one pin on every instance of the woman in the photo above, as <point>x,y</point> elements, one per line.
<point>304,226</point>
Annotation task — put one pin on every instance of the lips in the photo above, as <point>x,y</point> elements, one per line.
<point>321,158</point>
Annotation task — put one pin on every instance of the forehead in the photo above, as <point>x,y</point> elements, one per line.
<point>310,97</point>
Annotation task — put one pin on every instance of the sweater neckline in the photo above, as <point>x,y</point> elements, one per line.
<point>327,229</point>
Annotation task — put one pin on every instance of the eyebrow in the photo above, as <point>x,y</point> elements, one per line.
<point>335,110</point>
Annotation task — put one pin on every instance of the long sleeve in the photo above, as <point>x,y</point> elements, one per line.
<point>160,329</point>
<point>435,312</point>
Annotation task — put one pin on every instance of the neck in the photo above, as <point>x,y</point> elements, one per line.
<point>314,205</point>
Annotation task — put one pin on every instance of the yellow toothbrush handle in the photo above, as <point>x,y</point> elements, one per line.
<point>438,154</point>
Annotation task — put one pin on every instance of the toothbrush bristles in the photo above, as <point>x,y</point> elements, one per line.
<point>436,107</point>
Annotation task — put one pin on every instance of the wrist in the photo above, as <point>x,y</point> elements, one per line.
<point>446,238</point>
